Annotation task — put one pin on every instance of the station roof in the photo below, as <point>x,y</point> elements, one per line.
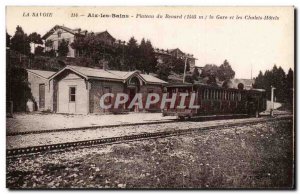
<point>92,73</point>
<point>44,74</point>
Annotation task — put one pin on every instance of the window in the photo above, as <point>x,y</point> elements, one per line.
<point>72,94</point>
<point>59,34</point>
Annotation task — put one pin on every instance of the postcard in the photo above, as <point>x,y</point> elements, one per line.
<point>170,97</point>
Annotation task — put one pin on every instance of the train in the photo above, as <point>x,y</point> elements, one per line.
<point>215,100</point>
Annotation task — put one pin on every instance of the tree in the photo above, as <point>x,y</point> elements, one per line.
<point>18,89</point>
<point>50,53</point>
<point>93,46</point>
<point>240,86</point>
<point>278,79</point>
<point>279,82</point>
<point>39,51</point>
<point>132,54</point>
<point>178,65</point>
<point>290,86</point>
<point>196,74</point>
<point>259,81</point>
<point>212,80</point>
<point>210,71</point>
<point>35,38</point>
<point>290,79</point>
<point>142,57</point>
<point>8,40</point>
<point>49,44</point>
<point>63,48</point>
<point>79,44</point>
<point>164,69</point>
<point>188,66</point>
<point>225,71</point>
<point>146,56</point>
<point>227,84</point>
<point>20,42</point>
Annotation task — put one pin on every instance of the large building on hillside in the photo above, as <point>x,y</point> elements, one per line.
<point>77,90</point>
<point>162,55</point>
<point>58,33</point>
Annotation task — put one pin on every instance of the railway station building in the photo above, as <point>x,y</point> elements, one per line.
<point>77,90</point>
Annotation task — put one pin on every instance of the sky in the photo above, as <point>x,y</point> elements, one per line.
<point>246,44</point>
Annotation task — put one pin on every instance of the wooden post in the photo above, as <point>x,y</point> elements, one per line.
<point>184,72</point>
<point>272,101</point>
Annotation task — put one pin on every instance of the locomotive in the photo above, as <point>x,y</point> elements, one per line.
<point>214,100</point>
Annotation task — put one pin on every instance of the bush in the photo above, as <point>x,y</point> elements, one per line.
<point>18,90</point>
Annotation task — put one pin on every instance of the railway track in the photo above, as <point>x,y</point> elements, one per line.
<point>120,139</point>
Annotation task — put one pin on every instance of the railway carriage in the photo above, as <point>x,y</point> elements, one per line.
<point>213,100</point>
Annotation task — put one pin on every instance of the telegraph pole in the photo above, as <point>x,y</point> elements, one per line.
<point>272,101</point>
<point>251,71</point>
<point>184,72</point>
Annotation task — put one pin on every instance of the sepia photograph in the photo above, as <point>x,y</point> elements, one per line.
<point>137,97</point>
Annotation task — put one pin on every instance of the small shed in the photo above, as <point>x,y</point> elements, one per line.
<point>77,90</point>
<point>40,88</point>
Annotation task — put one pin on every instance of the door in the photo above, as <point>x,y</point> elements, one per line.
<point>72,99</point>
<point>42,96</point>
<point>132,92</point>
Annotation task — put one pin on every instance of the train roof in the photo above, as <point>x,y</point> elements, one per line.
<point>179,85</point>
<point>198,85</point>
